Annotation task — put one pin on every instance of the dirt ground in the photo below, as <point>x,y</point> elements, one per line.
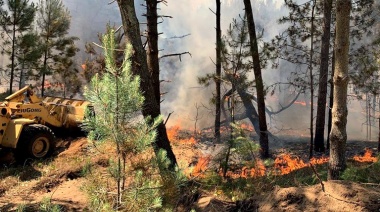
<point>62,184</point>
<point>337,196</point>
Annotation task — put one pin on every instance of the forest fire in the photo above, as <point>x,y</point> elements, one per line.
<point>303,103</point>
<point>367,157</point>
<point>174,137</point>
<point>246,127</point>
<point>283,164</point>
<point>200,167</point>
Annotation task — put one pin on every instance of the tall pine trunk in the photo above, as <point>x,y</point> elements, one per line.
<point>152,50</point>
<point>151,107</point>
<point>338,135</point>
<point>331,100</point>
<point>13,54</point>
<point>264,146</point>
<point>311,81</point>
<point>218,72</point>
<point>323,76</point>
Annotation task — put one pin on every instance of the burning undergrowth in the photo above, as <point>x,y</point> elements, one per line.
<point>211,156</point>
<point>250,181</point>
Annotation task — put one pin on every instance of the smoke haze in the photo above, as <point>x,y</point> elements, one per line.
<point>196,20</point>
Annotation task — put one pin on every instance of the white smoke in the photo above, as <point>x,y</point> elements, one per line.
<point>195,19</point>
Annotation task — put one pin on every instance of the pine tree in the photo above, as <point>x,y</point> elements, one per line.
<point>338,135</point>
<point>58,48</point>
<point>16,20</point>
<point>117,99</point>
<point>139,67</point>
<point>254,51</point>
<point>29,54</point>
<point>218,71</point>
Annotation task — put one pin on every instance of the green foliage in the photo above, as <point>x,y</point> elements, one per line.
<point>21,207</point>
<point>86,169</point>
<point>96,62</point>
<point>117,101</point>
<point>47,206</point>
<point>58,48</point>
<point>16,21</point>
<point>30,52</point>
<point>366,174</point>
<point>240,147</point>
<point>292,44</point>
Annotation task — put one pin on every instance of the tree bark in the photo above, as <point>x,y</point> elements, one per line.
<point>264,146</point>
<point>337,161</point>
<point>331,102</point>
<point>139,67</point>
<point>218,72</point>
<point>323,75</point>
<point>13,54</point>
<point>152,50</point>
<point>311,81</point>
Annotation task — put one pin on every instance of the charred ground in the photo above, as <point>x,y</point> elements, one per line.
<point>59,180</point>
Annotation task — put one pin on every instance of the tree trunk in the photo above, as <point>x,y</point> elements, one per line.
<point>44,69</point>
<point>152,51</point>
<point>13,54</point>
<point>250,110</point>
<point>323,75</point>
<point>331,102</point>
<point>139,67</point>
<point>311,81</point>
<point>378,139</point>
<point>264,146</point>
<point>337,161</point>
<point>218,72</point>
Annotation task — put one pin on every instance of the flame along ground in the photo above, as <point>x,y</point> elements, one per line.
<point>283,164</point>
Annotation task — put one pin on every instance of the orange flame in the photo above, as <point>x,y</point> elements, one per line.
<point>246,127</point>
<point>321,160</point>
<point>172,133</point>
<point>201,166</point>
<point>303,103</point>
<point>286,164</point>
<point>367,157</point>
<point>258,171</point>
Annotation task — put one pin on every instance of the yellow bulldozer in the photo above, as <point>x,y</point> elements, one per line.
<point>26,122</point>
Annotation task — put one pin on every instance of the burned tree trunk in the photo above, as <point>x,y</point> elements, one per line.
<point>250,111</point>
<point>311,80</point>
<point>337,161</point>
<point>152,47</point>
<point>264,146</point>
<point>139,67</point>
<point>218,71</point>
<point>331,102</point>
<point>323,75</point>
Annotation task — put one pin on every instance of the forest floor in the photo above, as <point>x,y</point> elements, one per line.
<point>59,180</point>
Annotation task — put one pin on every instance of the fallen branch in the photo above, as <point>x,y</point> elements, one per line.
<point>316,174</point>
